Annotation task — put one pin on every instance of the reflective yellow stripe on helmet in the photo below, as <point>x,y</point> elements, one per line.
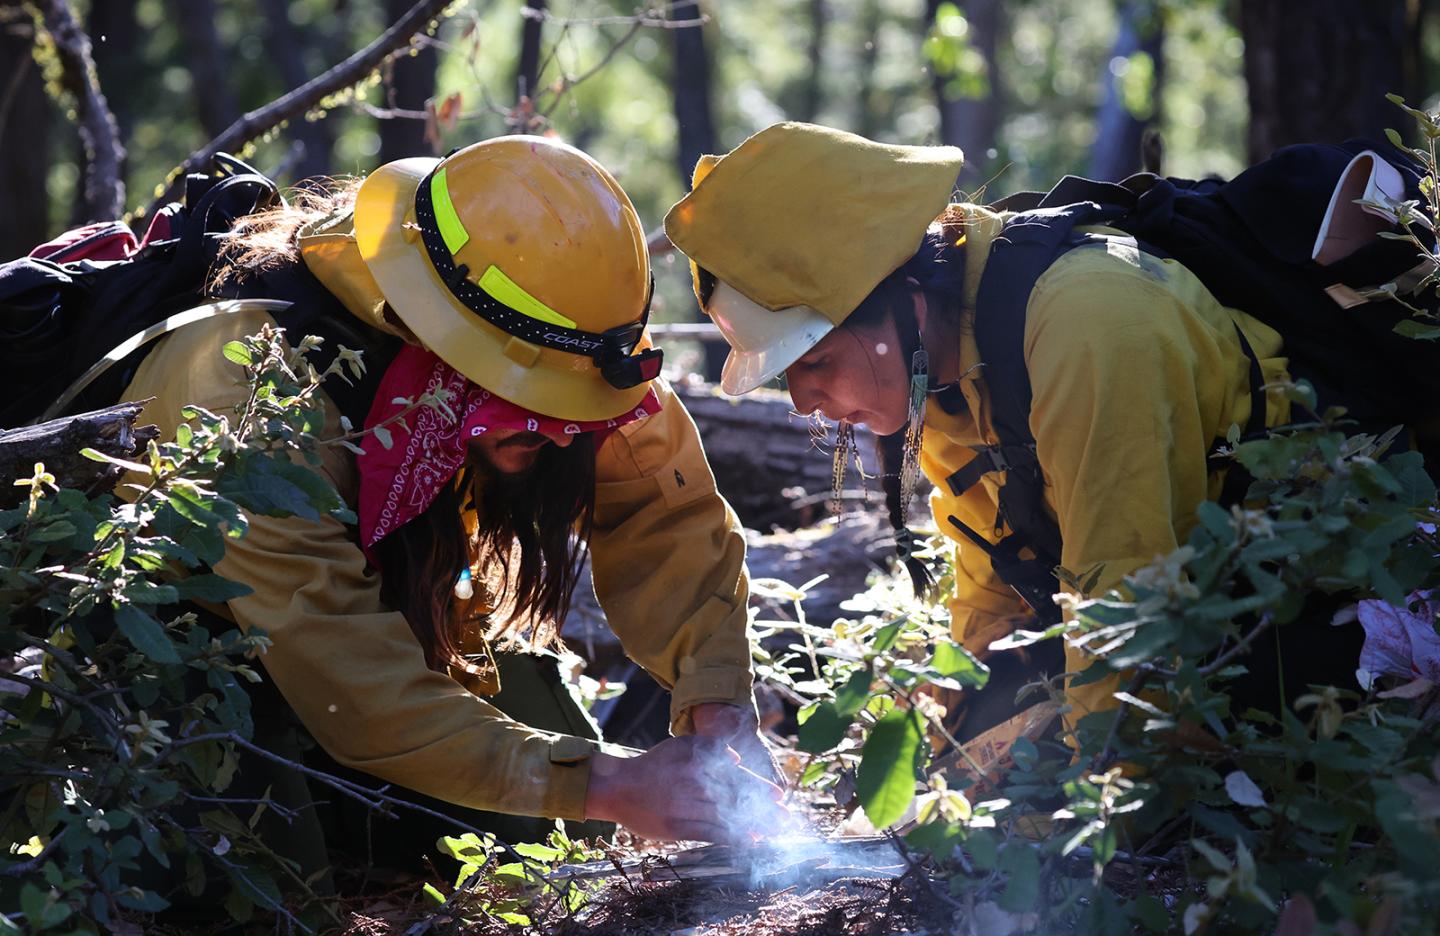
<point>451,229</point>
<point>494,281</point>
<point>506,290</point>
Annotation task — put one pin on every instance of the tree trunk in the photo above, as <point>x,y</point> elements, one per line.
<point>695,117</point>
<point>288,46</point>
<point>971,121</point>
<point>103,192</point>
<point>206,59</point>
<point>116,38</point>
<point>412,83</point>
<point>814,89</point>
<point>1119,130</point>
<point>25,114</point>
<point>1318,70</point>
<point>867,117</point>
<point>57,444</point>
<point>527,71</point>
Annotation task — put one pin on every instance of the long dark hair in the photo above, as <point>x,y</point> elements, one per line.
<point>531,539</point>
<point>939,269</point>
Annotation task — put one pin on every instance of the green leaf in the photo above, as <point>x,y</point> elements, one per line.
<point>95,455</point>
<point>33,902</point>
<point>538,852</point>
<point>261,486</point>
<point>433,894</point>
<point>885,783</point>
<point>1150,911</point>
<point>850,697</point>
<point>1217,859</point>
<point>1412,328</point>
<point>191,505</point>
<point>145,633</point>
<point>211,587</point>
<point>146,901</point>
<point>886,636</point>
<point>466,848</point>
<point>983,850</point>
<point>258,886</point>
<point>823,729</point>
<point>54,531</point>
<point>382,435</point>
<point>238,353</point>
<point>953,660</point>
<point>1022,887</point>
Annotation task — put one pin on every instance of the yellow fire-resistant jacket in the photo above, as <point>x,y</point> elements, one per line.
<point>1136,370</point>
<point>668,557</point>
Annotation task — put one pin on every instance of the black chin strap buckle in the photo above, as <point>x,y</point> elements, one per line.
<point>618,363</point>
<point>619,367</point>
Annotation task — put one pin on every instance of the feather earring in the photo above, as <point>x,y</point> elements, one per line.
<point>844,451</point>
<point>914,438</point>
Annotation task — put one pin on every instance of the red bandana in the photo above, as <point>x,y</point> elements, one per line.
<point>399,482</point>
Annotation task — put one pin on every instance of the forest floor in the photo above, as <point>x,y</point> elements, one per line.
<point>668,901</point>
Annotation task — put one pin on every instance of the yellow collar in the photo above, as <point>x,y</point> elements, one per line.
<point>972,427</point>
<point>328,248</point>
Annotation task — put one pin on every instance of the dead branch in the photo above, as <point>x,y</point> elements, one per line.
<point>104,185</point>
<point>58,443</point>
<point>349,72</point>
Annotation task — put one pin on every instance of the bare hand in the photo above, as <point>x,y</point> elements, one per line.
<point>739,729</point>
<point>685,788</point>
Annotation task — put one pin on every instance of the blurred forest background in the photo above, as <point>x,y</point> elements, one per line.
<point>1030,89</point>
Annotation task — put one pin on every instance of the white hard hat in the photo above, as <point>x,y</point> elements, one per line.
<point>763,343</point>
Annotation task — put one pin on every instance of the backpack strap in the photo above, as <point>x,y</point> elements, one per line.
<point>138,340</point>
<point>1030,244</point>
<point>1026,559</point>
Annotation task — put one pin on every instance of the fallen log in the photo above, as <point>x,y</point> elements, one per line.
<point>767,461</point>
<point>57,444</point>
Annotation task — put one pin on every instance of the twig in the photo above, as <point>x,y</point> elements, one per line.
<point>1223,660</point>
<point>567,83</point>
<point>104,185</point>
<point>1102,758</point>
<point>913,868</point>
<point>308,95</point>
<point>653,17</point>
<point>34,864</point>
<point>372,798</point>
<point>284,812</point>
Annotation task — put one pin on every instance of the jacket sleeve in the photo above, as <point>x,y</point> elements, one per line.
<point>349,666</point>
<point>1129,383</point>
<point>982,608</point>
<point>668,557</point>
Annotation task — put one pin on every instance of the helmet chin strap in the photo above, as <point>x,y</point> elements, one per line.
<point>900,492</point>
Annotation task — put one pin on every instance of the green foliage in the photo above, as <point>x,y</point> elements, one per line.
<point>497,882</point>
<point>1332,801</point>
<point>116,754</point>
<point>1418,221</point>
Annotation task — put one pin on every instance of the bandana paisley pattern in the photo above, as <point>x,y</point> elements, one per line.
<point>398,483</point>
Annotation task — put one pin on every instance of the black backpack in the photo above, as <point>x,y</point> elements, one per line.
<point>68,304</point>
<point>1249,241</point>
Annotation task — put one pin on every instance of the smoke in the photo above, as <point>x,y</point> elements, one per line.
<point>772,845</point>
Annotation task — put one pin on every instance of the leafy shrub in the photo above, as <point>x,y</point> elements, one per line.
<point>130,729</point>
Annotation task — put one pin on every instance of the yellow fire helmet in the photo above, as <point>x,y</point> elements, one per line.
<point>523,265</point>
<point>796,226</point>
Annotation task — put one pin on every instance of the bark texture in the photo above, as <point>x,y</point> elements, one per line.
<point>25,119</point>
<point>57,445</point>
<point>1319,70</point>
